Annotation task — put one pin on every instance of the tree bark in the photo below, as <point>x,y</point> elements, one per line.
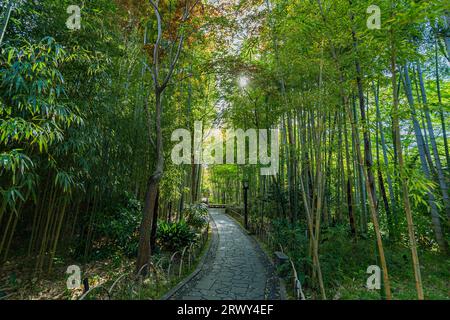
<point>399,153</point>
<point>441,111</point>
<point>367,145</point>
<point>144,250</point>
<point>155,224</point>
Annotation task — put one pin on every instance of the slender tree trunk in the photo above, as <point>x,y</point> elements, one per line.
<point>5,23</point>
<point>437,160</point>
<point>441,111</point>
<point>373,212</point>
<point>367,145</point>
<point>155,223</point>
<point>144,250</point>
<point>360,165</point>
<point>385,158</point>
<point>403,176</point>
<point>379,172</point>
<point>423,160</point>
<point>350,202</point>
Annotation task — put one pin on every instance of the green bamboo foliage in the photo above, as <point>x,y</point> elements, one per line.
<point>86,118</point>
<point>361,144</point>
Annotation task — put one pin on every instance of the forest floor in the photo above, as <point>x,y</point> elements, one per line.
<point>345,278</point>
<point>238,269</point>
<point>19,281</point>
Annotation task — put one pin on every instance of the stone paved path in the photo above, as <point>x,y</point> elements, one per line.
<point>235,268</point>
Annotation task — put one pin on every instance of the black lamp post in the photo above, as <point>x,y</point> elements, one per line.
<point>245,185</point>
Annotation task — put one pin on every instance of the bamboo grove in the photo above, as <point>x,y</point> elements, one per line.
<point>86,118</point>
<point>363,115</point>
<point>77,121</point>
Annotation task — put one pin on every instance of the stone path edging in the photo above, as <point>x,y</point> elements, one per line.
<point>212,246</point>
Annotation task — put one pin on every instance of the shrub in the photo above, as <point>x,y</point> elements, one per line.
<point>196,215</point>
<point>120,226</point>
<point>174,236</point>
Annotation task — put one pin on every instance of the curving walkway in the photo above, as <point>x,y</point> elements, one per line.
<point>235,267</point>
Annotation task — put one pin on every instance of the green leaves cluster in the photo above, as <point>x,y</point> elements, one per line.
<point>175,236</point>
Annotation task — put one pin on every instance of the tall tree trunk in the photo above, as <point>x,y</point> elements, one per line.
<point>441,111</point>
<point>423,160</point>
<point>437,160</point>
<point>6,21</point>
<point>155,223</point>
<point>380,174</point>
<point>403,176</point>
<point>350,203</point>
<point>144,250</point>
<point>360,174</point>
<point>367,145</point>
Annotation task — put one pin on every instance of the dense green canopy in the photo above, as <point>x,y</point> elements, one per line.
<point>87,116</point>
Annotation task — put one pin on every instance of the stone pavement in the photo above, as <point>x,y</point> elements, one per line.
<point>235,267</point>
